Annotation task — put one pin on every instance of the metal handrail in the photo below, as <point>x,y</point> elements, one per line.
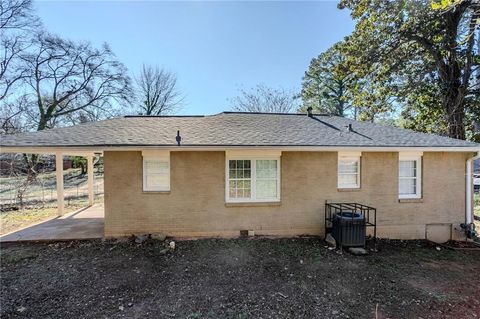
<point>367,212</point>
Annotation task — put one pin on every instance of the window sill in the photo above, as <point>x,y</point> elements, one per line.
<point>357,189</point>
<point>410,200</point>
<point>155,192</point>
<point>253,204</point>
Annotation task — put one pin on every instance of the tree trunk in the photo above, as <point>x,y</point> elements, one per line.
<point>456,125</point>
<point>453,88</point>
<point>83,168</point>
<point>32,163</point>
<point>42,124</point>
<point>32,160</point>
<point>454,103</point>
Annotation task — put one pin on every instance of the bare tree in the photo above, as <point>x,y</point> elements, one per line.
<point>17,14</point>
<point>15,115</point>
<point>17,23</point>
<point>158,92</point>
<point>68,77</point>
<point>265,99</point>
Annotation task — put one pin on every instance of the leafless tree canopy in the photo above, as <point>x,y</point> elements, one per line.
<point>66,77</point>
<point>265,99</point>
<point>16,115</point>
<point>17,14</point>
<point>17,24</point>
<point>158,92</point>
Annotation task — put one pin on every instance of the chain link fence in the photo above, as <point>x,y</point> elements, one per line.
<point>20,192</point>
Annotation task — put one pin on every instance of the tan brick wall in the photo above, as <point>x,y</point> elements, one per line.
<point>196,204</point>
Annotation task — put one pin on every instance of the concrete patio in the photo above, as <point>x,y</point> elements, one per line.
<point>85,223</point>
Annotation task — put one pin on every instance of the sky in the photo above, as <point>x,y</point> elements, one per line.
<point>214,48</point>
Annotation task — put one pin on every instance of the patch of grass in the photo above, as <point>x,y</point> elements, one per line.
<point>20,218</point>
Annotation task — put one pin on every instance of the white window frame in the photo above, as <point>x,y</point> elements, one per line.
<point>252,157</point>
<point>349,156</point>
<point>417,157</point>
<point>161,156</point>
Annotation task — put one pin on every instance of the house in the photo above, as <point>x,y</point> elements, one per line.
<point>271,173</point>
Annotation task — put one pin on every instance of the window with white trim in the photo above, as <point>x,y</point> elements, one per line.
<point>156,172</point>
<point>253,179</point>
<point>349,170</point>
<point>410,176</point>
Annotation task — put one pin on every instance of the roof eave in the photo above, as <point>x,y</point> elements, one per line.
<point>88,149</point>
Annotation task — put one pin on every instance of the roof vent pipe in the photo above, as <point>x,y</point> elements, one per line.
<point>350,128</point>
<point>310,111</point>
<point>178,138</point>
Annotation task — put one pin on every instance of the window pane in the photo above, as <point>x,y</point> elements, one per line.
<point>155,167</point>
<point>240,183</point>
<point>407,168</point>
<point>266,168</point>
<point>266,189</point>
<point>239,193</point>
<point>239,188</point>
<point>407,186</point>
<point>348,166</point>
<point>240,173</point>
<point>156,175</point>
<point>157,181</point>
<point>239,169</point>
<point>348,180</point>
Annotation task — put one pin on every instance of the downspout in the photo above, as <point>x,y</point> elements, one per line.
<point>468,180</point>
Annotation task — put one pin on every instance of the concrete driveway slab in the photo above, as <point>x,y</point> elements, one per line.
<point>85,223</point>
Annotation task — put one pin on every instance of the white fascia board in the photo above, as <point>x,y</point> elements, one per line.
<point>99,149</point>
<point>67,151</point>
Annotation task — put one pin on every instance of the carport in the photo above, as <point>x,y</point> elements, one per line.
<point>85,223</point>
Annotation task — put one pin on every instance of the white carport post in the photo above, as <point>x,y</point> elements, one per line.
<point>59,173</point>
<point>90,179</point>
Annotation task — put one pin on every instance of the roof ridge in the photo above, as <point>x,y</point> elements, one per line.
<point>228,112</point>
<point>173,115</point>
<point>273,113</point>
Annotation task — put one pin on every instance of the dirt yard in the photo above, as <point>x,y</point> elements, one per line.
<point>240,278</point>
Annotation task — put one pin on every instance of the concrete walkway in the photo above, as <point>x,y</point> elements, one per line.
<point>85,223</point>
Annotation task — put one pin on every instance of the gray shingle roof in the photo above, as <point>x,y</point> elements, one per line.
<point>231,129</point>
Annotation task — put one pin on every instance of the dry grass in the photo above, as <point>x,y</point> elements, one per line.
<point>16,219</point>
<point>40,199</point>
